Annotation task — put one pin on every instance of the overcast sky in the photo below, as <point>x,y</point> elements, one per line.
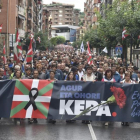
<point>78,3</point>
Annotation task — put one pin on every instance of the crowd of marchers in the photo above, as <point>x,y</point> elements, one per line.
<point>70,66</point>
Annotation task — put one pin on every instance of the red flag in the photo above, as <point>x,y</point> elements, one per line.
<point>90,61</point>
<point>29,56</point>
<point>19,48</point>
<point>0,28</point>
<point>17,43</point>
<point>4,54</point>
<point>124,34</point>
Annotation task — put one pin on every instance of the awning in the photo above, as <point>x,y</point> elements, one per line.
<point>21,17</point>
<point>136,51</point>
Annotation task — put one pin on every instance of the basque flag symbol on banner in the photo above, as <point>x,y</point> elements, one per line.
<point>31,99</point>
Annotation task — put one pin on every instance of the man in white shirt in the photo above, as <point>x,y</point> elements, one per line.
<point>80,71</point>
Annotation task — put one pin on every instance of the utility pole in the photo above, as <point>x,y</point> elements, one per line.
<point>132,4</point>
<point>131,48</point>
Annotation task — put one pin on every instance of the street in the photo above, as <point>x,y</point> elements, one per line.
<point>63,131</point>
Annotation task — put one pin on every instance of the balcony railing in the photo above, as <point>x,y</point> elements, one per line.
<point>21,11</point>
<point>21,32</point>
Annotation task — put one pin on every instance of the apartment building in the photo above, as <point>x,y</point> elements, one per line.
<point>25,15</point>
<point>90,8</point>
<point>47,22</point>
<point>80,33</point>
<point>8,12</point>
<point>76,17</point>
<point>34,16</point>
<point>62,14</point>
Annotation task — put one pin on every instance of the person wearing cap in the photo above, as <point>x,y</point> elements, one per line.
<point>89,76</point>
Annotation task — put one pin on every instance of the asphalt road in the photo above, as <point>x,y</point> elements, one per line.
<point>63,131</point>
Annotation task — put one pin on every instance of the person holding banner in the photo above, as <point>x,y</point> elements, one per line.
<point>52,78</point>
<point>89,76</point>
<point>122,73</point>
<point>108,78</point>
<point>70,77</point>
<point>127,80</point>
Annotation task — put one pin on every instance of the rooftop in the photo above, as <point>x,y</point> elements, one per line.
<point>59,4</point>
<point>65,26</point>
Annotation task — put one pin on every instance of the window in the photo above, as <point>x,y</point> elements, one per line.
<point>60,11</point>
<point>60,23</point>
<point>60,15</point>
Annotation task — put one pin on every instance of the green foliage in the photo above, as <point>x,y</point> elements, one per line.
<point>112,20</point>
<point>60,39</point>
<point>44,42</point>
<point>119,15</point>
<point>57,40</point>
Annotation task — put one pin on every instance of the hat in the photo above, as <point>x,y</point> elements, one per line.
<point>135,68</point>
<point>89,67</point>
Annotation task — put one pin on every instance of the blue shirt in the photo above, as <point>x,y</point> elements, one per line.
<point>134,77</point>
<point>117,77</point>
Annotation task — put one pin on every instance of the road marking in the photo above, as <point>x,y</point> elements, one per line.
<point>92,132</point>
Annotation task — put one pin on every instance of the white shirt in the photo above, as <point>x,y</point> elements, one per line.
<point>81,74</point>
<point>87,78</point>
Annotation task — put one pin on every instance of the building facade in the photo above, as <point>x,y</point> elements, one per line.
<point>24,15</point>
<point>90,8</point>
<point>62,14</point>
<point>76,17</point>
<point>47,21</point>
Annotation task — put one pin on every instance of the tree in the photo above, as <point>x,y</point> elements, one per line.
<point>121,14</point>
<point>44,42</point>
<point>58,40</point>
<point>111,23</point>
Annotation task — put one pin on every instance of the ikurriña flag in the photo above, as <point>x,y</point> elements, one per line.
<point>90,61</point>
<point>124,34</point>
<point>29,56</point>
<point>31,99</point>
<point>17,43</point>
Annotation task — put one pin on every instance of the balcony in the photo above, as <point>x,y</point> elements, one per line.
<point>21,32</point>
<point>69,9</point>
<point>21,11</point>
